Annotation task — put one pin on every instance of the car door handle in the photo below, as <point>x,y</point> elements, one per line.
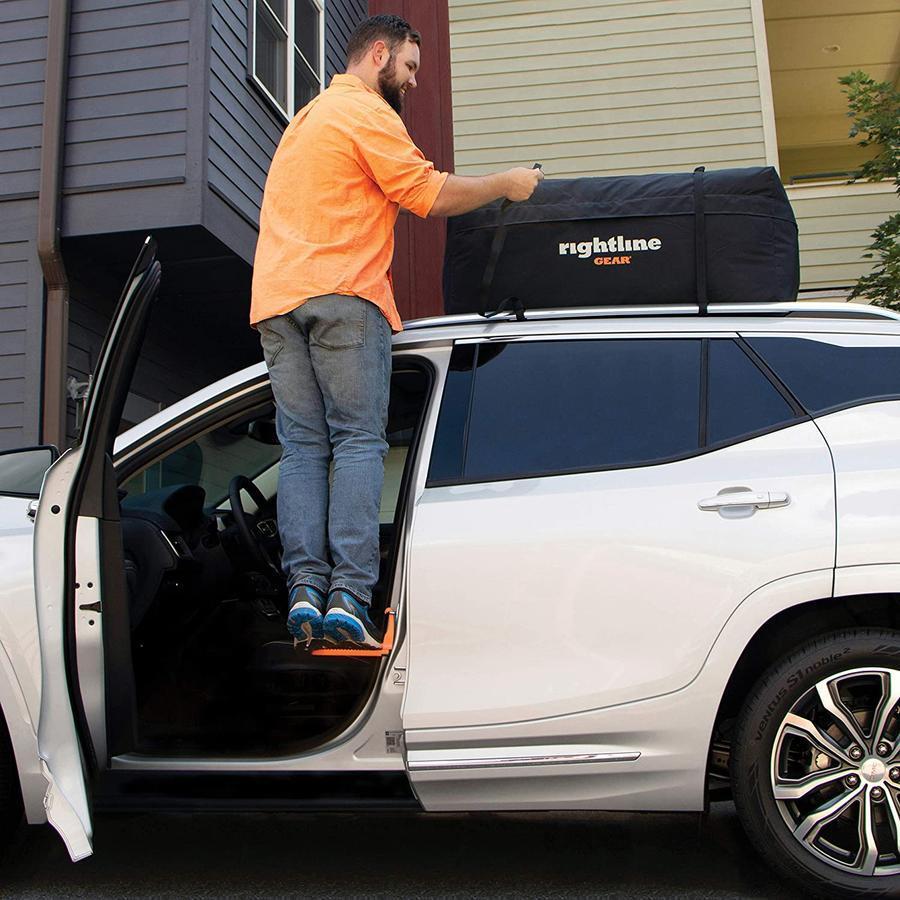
<point>31,512</point>
<point>756,499</point>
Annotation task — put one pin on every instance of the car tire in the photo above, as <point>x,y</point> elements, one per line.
<point>816,754</point>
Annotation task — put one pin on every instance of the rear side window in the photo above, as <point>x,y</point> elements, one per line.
<point>741,399</point>
<point>823,373</point>
<point>542,407</point>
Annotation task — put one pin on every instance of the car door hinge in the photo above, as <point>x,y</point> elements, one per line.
<point>91,607</point>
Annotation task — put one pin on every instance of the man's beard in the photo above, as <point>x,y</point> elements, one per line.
<point>388,87</point>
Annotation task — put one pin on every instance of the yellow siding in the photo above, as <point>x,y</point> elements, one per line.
<point>603,87</point>
<point>836,223</point>
<point>595,87</point>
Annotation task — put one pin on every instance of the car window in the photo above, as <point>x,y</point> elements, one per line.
<point>249,446</point>
<point>240,447</point>
<point>829,371</point>
<point>742,400</point>
<point>409,391</point>
<point>449,439</point>
<point>544,407</point>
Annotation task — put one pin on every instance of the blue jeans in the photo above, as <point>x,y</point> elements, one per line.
<point>329,363</point>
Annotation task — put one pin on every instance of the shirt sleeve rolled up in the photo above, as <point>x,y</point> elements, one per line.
<point>396,164</point>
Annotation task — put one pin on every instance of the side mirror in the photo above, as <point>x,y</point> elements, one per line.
<point>22,470</point>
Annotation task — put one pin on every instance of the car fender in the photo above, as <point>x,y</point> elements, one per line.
<point>876,579</point>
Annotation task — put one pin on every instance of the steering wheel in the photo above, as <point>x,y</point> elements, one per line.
<point>258,534</point>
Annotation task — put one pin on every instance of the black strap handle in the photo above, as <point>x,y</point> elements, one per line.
<point>700,239</point>
<point>488,278</point>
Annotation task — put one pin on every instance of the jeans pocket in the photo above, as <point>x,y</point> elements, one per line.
<point>340,323</point>
<point>272,343</point>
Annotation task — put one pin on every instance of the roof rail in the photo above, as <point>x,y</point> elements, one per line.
<point>801,308</point>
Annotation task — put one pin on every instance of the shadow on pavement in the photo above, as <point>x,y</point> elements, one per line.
<point>377,854</point>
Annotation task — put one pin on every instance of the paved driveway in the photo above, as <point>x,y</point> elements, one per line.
<point>381,855</point>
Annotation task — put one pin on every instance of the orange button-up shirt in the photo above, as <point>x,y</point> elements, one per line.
<point>344,167</point>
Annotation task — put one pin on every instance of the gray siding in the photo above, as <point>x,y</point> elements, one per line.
<point>14,266</point>
<point>127,101</point>
<point>21,310</point>
<point>23,50</point>
<point>244,128</point>
<point>169,367</point>
<point>340,20</point>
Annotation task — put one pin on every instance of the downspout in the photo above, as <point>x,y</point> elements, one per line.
<point>56,307</point>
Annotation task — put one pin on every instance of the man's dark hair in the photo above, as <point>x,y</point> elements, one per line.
<point>393,30</point>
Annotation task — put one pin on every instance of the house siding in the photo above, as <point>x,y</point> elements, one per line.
<point>168,368</point>
<point>244,127</point>
<point>599,87</point>
<point>127,94</point>
<point>21,323</point>
<point>14,270</point>
<point>23,52</point>
<point>836,223</point>
<point>596,87</point>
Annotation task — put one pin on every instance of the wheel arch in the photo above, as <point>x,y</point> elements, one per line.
<point>772,640</point>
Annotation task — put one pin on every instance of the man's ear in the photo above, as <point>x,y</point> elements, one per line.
<point>380,54</point>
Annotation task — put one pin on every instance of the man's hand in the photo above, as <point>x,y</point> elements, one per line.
<point>522,183</point>
<point>461,194</point>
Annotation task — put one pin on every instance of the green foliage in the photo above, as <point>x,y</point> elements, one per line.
<point>874,108</point>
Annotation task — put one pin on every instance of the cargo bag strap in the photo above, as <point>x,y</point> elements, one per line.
<point>700,239</point>
<point>510,303</point>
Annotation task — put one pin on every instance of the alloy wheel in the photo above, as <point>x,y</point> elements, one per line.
<point>835,771</point>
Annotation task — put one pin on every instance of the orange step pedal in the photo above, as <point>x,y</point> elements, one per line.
<point>386,645</point>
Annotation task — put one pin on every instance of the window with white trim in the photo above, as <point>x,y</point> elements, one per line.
<point>287,50</point>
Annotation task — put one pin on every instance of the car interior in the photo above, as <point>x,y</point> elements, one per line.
<point>215,671</point>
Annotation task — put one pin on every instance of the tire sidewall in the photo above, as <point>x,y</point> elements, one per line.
<point>770,701</point>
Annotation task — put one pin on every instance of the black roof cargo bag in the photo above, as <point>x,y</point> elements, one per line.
<point>705,237</point>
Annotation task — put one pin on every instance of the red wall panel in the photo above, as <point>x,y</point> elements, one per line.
<point>428,114</point>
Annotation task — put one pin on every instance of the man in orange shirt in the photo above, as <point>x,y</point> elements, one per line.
<point>324,308</point>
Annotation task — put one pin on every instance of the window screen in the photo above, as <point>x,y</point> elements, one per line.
<point>741,399</point>
<point>554,406</point>
<point>822,375</point>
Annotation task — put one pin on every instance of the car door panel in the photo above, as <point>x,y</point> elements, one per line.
<point>77,497</point>
<point>584,591</point>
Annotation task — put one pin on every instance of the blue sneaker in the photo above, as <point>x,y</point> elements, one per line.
<point>304,620</point>
<point>347,622</point>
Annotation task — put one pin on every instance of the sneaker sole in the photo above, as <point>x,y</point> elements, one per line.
<point>305,623</point>
<point>344,628</point>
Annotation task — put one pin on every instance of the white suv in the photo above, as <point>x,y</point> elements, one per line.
<point>633,559</point>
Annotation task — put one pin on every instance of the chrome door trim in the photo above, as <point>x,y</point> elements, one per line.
<point>436,760</point>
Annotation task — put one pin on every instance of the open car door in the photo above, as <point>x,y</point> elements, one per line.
<point>79,490</point>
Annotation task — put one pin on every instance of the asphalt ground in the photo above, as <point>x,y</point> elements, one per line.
<point>395,855</point>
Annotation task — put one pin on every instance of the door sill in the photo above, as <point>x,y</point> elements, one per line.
<point>253,791</point>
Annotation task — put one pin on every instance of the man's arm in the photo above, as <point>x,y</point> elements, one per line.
<point>461,193</point>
